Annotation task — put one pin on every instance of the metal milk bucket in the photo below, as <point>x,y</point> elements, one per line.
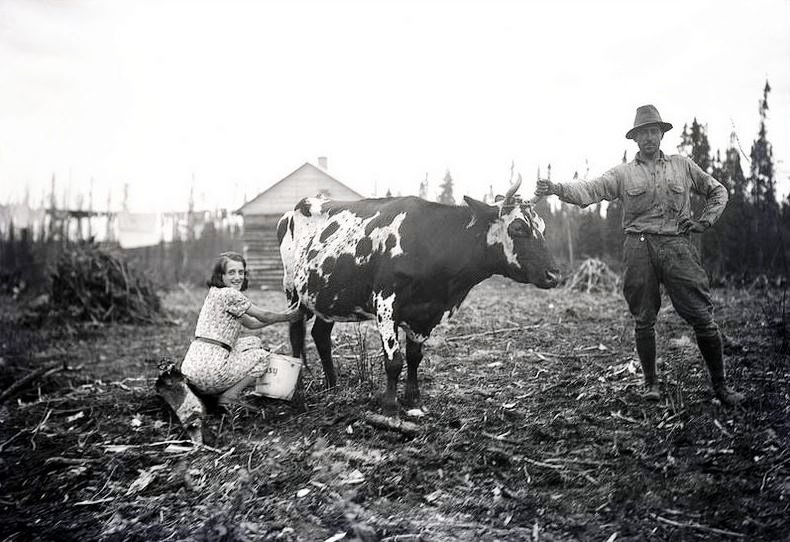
<point>279,380</point>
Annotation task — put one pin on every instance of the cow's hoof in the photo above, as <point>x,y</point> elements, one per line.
<point>412,402</point>
<point>390,411</point>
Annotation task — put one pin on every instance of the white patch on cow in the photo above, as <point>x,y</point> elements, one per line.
<point>535,222</point>
<point>316,204</point>
<point>386,323</point>
<point>342,241</point>
<point>498,232</point>
<point>380,235</point>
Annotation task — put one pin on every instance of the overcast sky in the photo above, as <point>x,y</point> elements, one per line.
<point>239,94</point>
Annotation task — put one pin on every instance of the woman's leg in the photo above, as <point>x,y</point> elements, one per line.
<point>232,394</point>
<point>246,366</point>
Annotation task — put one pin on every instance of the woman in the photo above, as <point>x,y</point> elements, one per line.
<point>219,364</point>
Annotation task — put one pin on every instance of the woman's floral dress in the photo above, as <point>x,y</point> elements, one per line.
<point>210,368</point>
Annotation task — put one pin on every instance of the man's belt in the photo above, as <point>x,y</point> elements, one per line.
<point>212,341</point>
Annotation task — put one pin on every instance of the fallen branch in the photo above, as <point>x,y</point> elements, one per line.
<point>394,424</point>
<point>576,355</point>
<point>97,501</point>
<point>66,461</point>
<point>502,438</point>
<point>117,448</point>
<point>578,461</point>
<point>9,441</point>
<point>697,526</point>
<point>544,465</point>
<point>42,372</point>
<point>490,332</point>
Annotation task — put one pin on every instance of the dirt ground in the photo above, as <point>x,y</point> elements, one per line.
<point>533,430</point>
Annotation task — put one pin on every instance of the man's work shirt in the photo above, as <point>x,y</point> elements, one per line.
<point>653,201</point>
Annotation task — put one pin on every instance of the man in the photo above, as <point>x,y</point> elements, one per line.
<point>654,190</point>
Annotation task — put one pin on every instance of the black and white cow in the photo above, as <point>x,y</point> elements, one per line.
<point>405,262</point>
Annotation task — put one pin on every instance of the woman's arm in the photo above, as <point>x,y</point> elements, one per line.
<point>257,318</point>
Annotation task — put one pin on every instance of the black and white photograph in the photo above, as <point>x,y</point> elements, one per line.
<point>394,271</point>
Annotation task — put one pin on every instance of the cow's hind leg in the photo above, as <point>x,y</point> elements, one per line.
<point>322,335</point>
<point>411,396</point>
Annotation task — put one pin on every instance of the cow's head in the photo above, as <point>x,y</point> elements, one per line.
<point>516,228</point>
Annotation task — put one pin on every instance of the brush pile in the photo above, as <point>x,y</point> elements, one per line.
<point>90,284</point>
<point>594,276</point>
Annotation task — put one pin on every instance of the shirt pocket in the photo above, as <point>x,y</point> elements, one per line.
<point>676,195</point>
<point>637,197</point>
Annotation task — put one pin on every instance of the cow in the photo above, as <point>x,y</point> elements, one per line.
<point>404,262</point>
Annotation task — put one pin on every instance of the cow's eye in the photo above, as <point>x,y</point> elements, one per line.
<point>518,228</point>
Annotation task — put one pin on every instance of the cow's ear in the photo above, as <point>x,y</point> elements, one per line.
<point>481,211</point>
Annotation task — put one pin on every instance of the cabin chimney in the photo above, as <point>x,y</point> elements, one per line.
<point>322,163</point>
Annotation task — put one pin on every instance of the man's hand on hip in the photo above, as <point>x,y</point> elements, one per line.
<point>689,225</point>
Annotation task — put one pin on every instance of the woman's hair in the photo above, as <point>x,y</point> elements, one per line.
<point>221,265</point>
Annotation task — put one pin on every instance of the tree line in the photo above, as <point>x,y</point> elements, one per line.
<point>749,240</point>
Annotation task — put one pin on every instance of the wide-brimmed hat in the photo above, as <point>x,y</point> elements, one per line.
<point>647,114</point>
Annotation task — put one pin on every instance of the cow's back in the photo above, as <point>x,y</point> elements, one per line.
<point>333,252</point>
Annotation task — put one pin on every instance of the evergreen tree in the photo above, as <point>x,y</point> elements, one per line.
<point>735,223</point>
<point>591,233</point>
<point>763,193</point>
<point>423,193</point>
<point>762,166</point>
<point>785,235</point>
<point>694,144</point>
<point>446,190</point>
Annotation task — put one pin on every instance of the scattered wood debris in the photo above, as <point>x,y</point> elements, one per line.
<point>25,381</point>
<point>531,435</point>
<point>594,276</point>
<point>90,284</point>
<point>395,424</point>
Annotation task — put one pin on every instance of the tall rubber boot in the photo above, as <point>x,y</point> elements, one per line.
<point>646,349</point>
<point>711,350</point>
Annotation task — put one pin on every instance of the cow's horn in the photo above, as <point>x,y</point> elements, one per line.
<point>512,189</point>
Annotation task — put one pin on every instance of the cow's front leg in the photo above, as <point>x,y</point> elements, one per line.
<point>394,362</point>
<point>393,366</point>
<point>322,335</point>
<point>413,358</point>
